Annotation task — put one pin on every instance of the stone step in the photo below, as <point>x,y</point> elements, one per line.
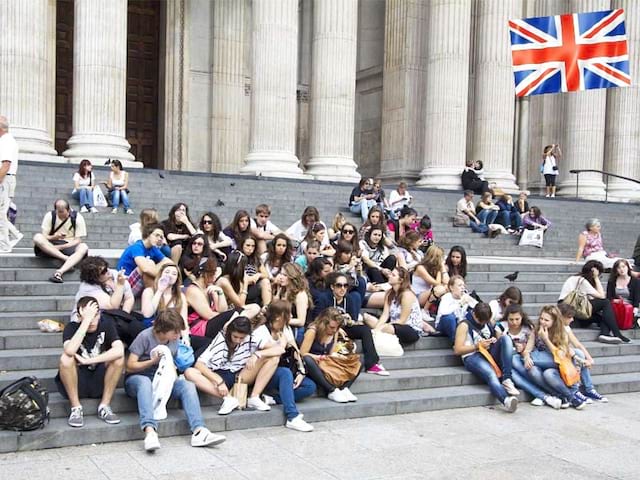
<point>28,320</point>
<point>37,303</point>
<point>38,288</point>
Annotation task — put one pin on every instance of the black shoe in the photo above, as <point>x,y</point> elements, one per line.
<point>624,339</point>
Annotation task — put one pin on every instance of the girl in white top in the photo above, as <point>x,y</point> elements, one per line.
<point>375,255</point>
<point>430,276</point>
<point>454,307</point>
<point>83,183</point>
<point>408,253</point>
<point>550,167</point>
<point>118,185</point>
<point>510,296</point>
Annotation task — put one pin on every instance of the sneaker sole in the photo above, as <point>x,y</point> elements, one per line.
<point>75,426</point>
<point>214,442</point>
<point>111,422</point>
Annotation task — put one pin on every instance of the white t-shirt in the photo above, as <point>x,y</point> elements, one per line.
<point>463,205</point>
<point>401,199</point>
<point>269,227</point>
<point>496,311</point>
<point>84,181</point>
<point>377,255</point>
<point>577,282</point>
<point>262,336</point>
<point>449,304</point>
<point>298,231</point>
<point>79,232</point>
<point>135,233</point>
<point>9,151</point>
<point>549,163</point>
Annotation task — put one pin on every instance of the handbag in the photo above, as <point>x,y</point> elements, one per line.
<point>580,302</point>
<point>489,358</point>
<point>623,312</point>
<point>568,371</point>
<point>184,357</point>
<point>387,345</point>
<point>340,369</point>
<point>533,238</point>
<point>239,392</point>
<point>99,200</point>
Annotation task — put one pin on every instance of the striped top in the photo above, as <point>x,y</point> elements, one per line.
<point>216,356</point>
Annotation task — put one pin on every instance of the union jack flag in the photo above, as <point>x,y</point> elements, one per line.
<point>565,53</point>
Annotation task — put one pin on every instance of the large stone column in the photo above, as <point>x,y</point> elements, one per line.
<point>494,97</point>
<point>99,82</point>
<point>273,90</point>
<point>403,84</point>
<point>583,147</point>
<point>227,85</point>
<point>333,90</point>
<point>622,141</point>
<point>447,93</point>
<point>27,70</point>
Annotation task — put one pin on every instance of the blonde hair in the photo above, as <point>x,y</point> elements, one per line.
<point>432,260</point>
<point>176,292</point>
<point>338,221</point>
<point>557,334</point>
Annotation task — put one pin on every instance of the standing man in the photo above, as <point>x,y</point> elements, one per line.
<point>8,170</point>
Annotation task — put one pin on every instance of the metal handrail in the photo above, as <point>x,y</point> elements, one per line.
<point>577,172</point>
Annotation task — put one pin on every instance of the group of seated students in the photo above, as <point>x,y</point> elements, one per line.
<point>273,308</point>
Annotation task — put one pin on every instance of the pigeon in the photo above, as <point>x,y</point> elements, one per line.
<point>219,203</point>
<point>108,162</point>
<point>512,276</point>
<point>161,175</point>
<point>233,184</point>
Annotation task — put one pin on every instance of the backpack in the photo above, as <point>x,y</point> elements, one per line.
<point>24,405</point>
<point>72,216</point>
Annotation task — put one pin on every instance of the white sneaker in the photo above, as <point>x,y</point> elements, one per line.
<point>204,437</point>
<point>547,195</point>
<point>83,209</point>
<point>129,211</point>
<point>346,393</point>
<point>257,404</point>
<point>268,399</point>
<point>229,404</point>
<point>16,240</point>
<point>511,404</point>
<point>115,210</point>
<point>337,396</point>
<point>299,424</point>
<point>151,442</point>
<point>94,210</point>
<point>553,402</point>
<point>537,402</point>
<point>510,387</point>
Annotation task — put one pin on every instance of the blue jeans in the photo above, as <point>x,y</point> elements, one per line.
<point>479,366</point>
<point>520,377</point>
<point>487,216</point>
<point>585,373</point>
<point>555,384</point>
<point>282,383</point>
<point>84,197</point>
<point>478,227</point>
<point>447,325</point>
<point>118,195</point>
<point>362,207</point>
<point>504,218</point>
<point>140,388</point>
<point>502,351</point>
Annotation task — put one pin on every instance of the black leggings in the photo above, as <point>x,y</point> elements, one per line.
<point>314,372</point>
<point>363,333</point>
<point>375,275</point>
<point>406,334</point>
<point>602,313</point>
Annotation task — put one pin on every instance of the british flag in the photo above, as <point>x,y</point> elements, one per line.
<point>565,53</point>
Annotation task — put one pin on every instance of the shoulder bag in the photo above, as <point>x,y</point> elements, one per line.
<point>580,302</point>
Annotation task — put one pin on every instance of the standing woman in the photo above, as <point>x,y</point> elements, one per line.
<point>83,183</point>
<point>401,314</point>
<point>212,228</point>
<point>118,185</point>
<point>279,251</point>
<point>178,229</point>
<point>291,285</point>
<point>549,167</point>
<point>238,229</point>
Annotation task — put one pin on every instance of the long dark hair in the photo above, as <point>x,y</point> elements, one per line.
<point>354,238</point>
<point>314,273</point>
<point>587,274</point>
<point>517,308</point>
<point>512,293</point>
<point>91,269</point>
<point>613,276</point>
<point>309,210</point>
<point>190,261</point>
<point>239,235</point>
<point>234,269</point>
<point>82,168</point>
<point>462,268</point>
<point>215,224</point>
<point>404,286</point>
<point>240,325</point>
<point>272,259</point>
<point>381,223</point>
<point>367,238</point>
<point>253,258</point>
<point>171,221</point>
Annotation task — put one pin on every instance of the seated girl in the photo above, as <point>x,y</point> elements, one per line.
<point>84,181</point>
<point>218,242</point>
<point>376,257</point>
<point>311,252</point>
<point>165,293</point>
<point>516,325</point>
<point>533,219</point>
<point>549,336</point>
<point>238,230</point>
<point>348,234</point>
<point>318,271</point>
<point>234,353</point>
<point>178,229</point>
<point>476,335</point>
<point>291,285</point>
<point>318,232</point>
<point>289,384</point>
<point>408,253</point>
<point>406,220</point>
<point>196,252</point>
<point>320,341</point>
<point>298,231</point>
<point>118,185</point>
<point>486,210</point>
<point>279,251</point>
<point>430,277</point>
<point>622,285</point>
<point>234,283</point>
<point>454,307</point>
<point>375,218</point>
<point>142,364</point>
<point>254,271</point>
<point>456,261</point>
<point>334,231</point>
<point>512,295</point>
<point>347,262</point>
<point>401,315</point>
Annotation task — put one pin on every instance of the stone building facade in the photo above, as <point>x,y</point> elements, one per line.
<point>326,89</point>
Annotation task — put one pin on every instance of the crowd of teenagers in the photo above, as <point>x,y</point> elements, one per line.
<point>194,308</point>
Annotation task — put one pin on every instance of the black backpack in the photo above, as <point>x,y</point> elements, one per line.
<point>24,405</point>
<point>73,215</point>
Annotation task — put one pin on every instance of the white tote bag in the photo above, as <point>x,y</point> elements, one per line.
<point>533,238</point>
<point>387,345</point>
<point>99,199</point>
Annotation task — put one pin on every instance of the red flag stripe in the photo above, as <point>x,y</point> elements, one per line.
<point>604,24</point>
<point>613,73</point>
<point>526,32</point>
<point>534,84</point>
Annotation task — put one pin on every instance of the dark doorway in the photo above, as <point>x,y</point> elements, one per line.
<point>143,47</point>
<point>64,74</point>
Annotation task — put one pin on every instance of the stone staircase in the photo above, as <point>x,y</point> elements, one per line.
<point>427,377</point>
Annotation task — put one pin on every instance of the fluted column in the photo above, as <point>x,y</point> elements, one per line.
<point>27,70</point>
<point>403,89</point>
<point>494,98</point>
<point>99,82</point>
<point>584,129</point>
<point>273,90</point>
<point>622,141</point>
<point>227,85</point>
<point>333,90</point>
<point>447,87</point>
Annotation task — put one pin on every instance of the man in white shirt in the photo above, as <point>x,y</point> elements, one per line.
<point>8,170</point>
<point>262,228</point>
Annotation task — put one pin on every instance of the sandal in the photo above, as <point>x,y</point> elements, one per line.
<point>56,277</point>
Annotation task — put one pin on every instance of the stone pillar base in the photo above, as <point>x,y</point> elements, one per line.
<point>408,175</point>
<point>444,178</point>
<point>99,148</point>
<point>33,140</point>
<point>273,164</point>
<point>38,157</point>
<point>623,191</point>
<point>504,180</point>
<point>588,188</point>
<point>338,169</point>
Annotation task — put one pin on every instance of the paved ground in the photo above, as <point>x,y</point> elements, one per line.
<point>600,442</point>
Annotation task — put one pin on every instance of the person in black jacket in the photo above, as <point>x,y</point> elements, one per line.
<point>636,255</point>
<point>623,285</point>
<point>471,181</point>
<point>349,304</point>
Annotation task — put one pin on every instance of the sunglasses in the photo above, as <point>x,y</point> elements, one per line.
<point>349,231</point>
<point>341,285</point>
<point>207,222</point>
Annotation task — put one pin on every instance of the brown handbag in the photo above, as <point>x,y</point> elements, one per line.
<point>340,369</point>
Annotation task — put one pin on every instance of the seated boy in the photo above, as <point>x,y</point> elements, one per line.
<point>262,228</point>
<point>143,260</point>
<point>141,367</point>
<point>91,362</point>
